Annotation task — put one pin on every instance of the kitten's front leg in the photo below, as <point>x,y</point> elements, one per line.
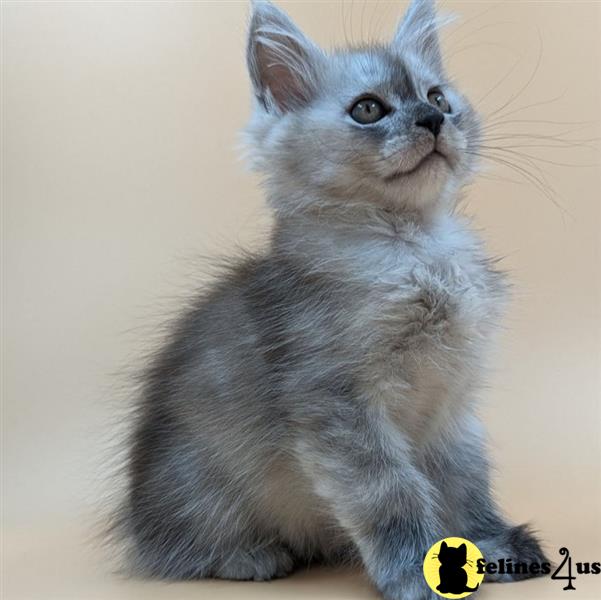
<point>460,469</point>
<point>363,468</point>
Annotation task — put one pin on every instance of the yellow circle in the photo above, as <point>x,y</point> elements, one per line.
<point>451,568</point>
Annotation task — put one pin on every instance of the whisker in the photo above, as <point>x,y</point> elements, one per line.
<point>523,108</point>
<point>500,82</point>
<point>466,22</point>
<point>478,30</point>
<point>541,185</point>
<point>477,45</point>
<point>545,122</point>
<point>536,158</point>
<point>527,84</point>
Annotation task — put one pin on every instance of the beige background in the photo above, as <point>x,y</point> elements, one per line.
<point>120,167</point>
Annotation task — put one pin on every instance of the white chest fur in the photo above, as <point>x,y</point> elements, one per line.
<point>431,304</point>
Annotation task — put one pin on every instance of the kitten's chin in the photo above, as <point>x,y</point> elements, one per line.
<point>432,162</point>
<point>427,186</point>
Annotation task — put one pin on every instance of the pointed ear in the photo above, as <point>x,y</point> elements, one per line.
<point>418,32</point>
<point>282,62</point>
<point>443,546</point>
<point>463,549</point>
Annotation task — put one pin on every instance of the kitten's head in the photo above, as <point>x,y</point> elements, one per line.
<point>379,124</point>
<point>452,557</point>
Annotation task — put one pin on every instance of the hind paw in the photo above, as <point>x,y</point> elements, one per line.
<point>258,564</point>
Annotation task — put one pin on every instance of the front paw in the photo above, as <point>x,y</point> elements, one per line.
<point>409,585</point>
<point>519,545</point>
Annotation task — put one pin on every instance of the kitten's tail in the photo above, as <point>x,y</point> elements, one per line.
<point>467,589</point>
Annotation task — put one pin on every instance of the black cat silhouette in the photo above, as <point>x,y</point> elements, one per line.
<point>453,578</point>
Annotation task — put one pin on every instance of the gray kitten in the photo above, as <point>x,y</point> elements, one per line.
<point>318,404</point>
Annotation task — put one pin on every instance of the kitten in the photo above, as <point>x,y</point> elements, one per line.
<point>318,403</point>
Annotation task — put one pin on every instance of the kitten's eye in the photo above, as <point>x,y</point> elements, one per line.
<point>437,98</point>
<point>368,111</point>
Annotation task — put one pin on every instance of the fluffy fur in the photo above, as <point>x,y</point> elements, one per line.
<point>318,404</point>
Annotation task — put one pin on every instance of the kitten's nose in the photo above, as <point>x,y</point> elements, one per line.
<point>432,121</point>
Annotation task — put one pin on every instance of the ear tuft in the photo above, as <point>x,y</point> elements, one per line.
<point>418,32</point>
<point>282,62</point>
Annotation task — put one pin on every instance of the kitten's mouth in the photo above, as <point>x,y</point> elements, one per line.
<point>433,156</point>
